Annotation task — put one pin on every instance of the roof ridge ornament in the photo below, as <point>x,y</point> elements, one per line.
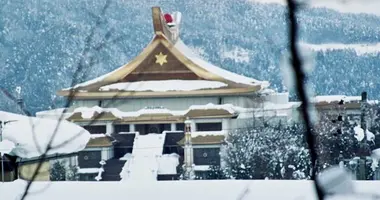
<point>166,24</point>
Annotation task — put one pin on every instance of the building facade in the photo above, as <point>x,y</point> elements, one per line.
<point>137,113</point>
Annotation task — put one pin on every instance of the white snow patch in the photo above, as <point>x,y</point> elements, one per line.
<point>292,167</point>
<point>92,81</point>
<point>335,98</point>
<point>376,154</point>
<point>360,49</point>
<point>7,116</point>
<point>375,164</point>
<point>167,163</point>
<point>127,156</point>
<point>237,54</point>
<point>164,85</point>
<point>359,133</point>
<point>201,167</point>
<point>6,147</point>
<point>228,107</point>
<point>88,170</point>
<point>31,136</point>
<point>169,190</point>
<point>208,133</point>
<point>217,70</point>
<point>94,136</point>
<point>144,163</point>
<point>370,135</point>
<point>89,113</point>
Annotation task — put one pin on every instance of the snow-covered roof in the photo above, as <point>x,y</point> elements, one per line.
<point>186,51</point>
<point>31,135</point>
<point>90,112</point>
<point>335,98</point>
<point>164,85</point>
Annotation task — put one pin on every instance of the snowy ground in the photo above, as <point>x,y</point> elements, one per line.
<point>184,190</point>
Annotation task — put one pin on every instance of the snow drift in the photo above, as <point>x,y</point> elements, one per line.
<point>31,135</point>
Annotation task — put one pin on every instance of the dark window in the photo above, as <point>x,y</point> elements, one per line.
<point>220,100</point>
<point>180,127</point>
<point>152,128</point>
<point>206,156</point>
<point>87,177</point>
<point>209,126</point>
<point>94,129</point>
<point>121,128</point>
<point>89,159</point>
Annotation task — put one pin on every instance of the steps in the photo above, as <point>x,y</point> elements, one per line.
<point>143,164</point>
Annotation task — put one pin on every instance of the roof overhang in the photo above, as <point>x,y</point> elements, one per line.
<point>151,94</point>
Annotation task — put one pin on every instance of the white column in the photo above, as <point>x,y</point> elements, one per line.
<point>193,126</point>
<point>173,127</point>
<point>189,157</point>
<point>109,128</point>
<point>132,128</point>
<point>226,125</point>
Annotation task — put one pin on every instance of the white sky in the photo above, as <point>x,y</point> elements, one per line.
<point>348,6</point>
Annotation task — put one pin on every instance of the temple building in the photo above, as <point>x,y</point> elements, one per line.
<point>137,113</point>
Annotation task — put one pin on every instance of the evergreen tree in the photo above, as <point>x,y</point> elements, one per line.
<point>215,172</point>
<point>72,173</point>
<point>58,172</point>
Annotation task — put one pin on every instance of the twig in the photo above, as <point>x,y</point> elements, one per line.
<point>300,79</point>
<point>80,65</point>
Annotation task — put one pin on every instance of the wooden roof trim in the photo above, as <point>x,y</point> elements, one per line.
<point>133,94</point>
<point>160,26</point>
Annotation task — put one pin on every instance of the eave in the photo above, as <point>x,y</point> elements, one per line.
<point>151,94</point>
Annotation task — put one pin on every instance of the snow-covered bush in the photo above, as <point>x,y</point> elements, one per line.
<point>58,171</point>
<point>274,152</point>
<point>72,173</point>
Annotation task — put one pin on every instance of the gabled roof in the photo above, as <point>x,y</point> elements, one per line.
<point>166,62</point>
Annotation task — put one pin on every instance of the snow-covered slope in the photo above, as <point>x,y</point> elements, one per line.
<point>143,165</point>
<point>31,135</point>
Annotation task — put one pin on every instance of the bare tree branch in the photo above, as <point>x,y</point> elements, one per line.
<point>301,90</point>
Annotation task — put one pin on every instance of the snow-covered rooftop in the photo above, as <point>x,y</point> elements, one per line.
<point>335,98</point>
<point>164,85</point>
<point>186,51</point>
<point>31,135</point>
<point>177,85</point>
<point>90,112</point>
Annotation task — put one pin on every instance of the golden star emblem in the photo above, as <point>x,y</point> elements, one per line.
<point>161,58</point>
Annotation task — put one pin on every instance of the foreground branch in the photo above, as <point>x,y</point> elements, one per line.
<point>301,90</point>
